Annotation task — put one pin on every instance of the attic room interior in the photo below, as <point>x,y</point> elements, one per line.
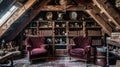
<point>59,33</point>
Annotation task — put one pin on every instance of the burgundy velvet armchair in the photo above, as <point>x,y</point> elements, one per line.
<point>80,48</point>
<point>36,49</point>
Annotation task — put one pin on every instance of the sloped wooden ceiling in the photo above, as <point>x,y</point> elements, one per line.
<point>16,16</point>
<point>34,12</point>
<point>15,20</point>
<point>97,9</point>
<point>109,11</point>
<point>100,21</point>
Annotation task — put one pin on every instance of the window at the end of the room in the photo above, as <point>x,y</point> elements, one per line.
<point>9,13</point>
<point>1,1</point>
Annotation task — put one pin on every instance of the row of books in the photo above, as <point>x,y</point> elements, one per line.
<point>94,33</point>
<point>75,33</point>
<point>96,42</point>
<point>50,33</point>
<point>45,33</point>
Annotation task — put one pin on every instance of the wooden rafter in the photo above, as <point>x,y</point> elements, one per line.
<point>61,8</point>
<point>15,16</point>
<point>81,5</point>
<point>100,21</point>
<point>33,13</point>
<point>108,9</point>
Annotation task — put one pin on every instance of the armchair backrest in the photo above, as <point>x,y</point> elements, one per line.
<point>82,41</point>
<point>35,42</point>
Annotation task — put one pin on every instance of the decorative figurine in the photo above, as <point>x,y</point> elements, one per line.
<point>3,48</point>
<point>50,24</point>
<point>3,44</point>
<point>76,25</point>
<point>60,16</point>
<point>9,46</point>
<point>49,16</point>
<point>63,25</point>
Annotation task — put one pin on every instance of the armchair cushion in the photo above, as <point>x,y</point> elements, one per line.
<point>37,51</point>
<point>77,51</point>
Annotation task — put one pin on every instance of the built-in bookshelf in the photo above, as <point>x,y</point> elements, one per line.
<point>59,30</point>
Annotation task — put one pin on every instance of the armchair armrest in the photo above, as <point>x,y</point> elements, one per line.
<point>28,47</point>
<point>87,49</point>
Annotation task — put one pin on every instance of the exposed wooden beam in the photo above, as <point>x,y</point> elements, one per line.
<point>61,8</point>
<point>15,16</point>
<point>33,14</point>
<point>109,11</point>
<point>100,21</point>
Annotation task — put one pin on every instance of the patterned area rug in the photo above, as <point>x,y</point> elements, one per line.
<point>56,62</point>
<point>51,65</point>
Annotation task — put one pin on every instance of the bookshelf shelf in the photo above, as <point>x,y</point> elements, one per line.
<point>60,35</point>
<point>45,28</point>
<point>33,27</point>
<point>60,28</point>
<point>93,28</point>
<point>75,28</point>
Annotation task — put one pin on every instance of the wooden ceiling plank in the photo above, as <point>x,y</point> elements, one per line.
<point>34,13</point>
<point>61,8</point>
<point>15,16</point>
<point>100,21</point>
<point>109,11</point>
